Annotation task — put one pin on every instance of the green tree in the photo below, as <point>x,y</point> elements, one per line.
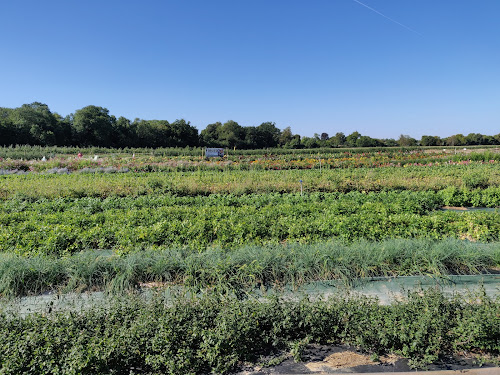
<point>474,139</point>
<point>252,138</point>
<point>34,124</point>
<point>93,126</point>
<point>390,142</point>
<point>124,133</point>
<point>456,140</point>
<point>63,130</point>
<point>152,133</point>
<point>429,140</point>
<point>365,141</point>
<point>286,136</point>
<point>352,138</point>
<point>309,142</point>
<point>268,135</point>
<point>209,137</point>
<point>180,133</point>
<point>337,140</point>
<point>232,134</point>
<point>489,140</point>
<point>406,140</point>
<point>294,143</point>
<point>7,130</point>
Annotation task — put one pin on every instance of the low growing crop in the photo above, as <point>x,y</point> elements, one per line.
<point>65,226</point>
<point>216,334</point>
<point>242,182</point>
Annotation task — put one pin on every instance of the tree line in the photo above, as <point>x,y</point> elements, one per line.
<point>35,124</point>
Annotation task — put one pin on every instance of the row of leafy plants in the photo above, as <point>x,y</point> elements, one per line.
<point>62,227</point>
<point>415,178</point>
<point>217,334</point>
<point>27,152</point>
<point>420,202</point>
<point>244,269</point>
<point>147,163</point>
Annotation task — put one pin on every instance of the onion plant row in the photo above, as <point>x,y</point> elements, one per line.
<point>244,268</point>
<point>216,334</point>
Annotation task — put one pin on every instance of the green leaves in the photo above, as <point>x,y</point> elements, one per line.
<point>65,226</point>
<point>216,334</point>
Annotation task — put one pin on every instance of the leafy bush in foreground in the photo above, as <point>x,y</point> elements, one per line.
<point>215,334</point>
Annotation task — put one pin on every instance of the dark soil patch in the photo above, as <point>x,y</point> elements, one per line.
<point>324,359</point>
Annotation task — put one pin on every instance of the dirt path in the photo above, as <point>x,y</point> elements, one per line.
<point>321,359</point>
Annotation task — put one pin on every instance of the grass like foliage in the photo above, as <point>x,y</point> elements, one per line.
<point>245,268</point>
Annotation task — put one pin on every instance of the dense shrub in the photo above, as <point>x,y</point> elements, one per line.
<point>215,334</point>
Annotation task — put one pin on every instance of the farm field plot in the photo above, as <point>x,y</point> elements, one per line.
<point>117,223</point>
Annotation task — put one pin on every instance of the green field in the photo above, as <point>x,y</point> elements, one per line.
<point>221,228</point>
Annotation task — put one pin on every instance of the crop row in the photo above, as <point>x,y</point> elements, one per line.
<point>245,268</point>
<point>57,228</point>
<point>395,201</point>
<point>342,203</point>
<point>414,178</point>
<point>27,152</point>
<point>216,334</point>
<point>269,162</point>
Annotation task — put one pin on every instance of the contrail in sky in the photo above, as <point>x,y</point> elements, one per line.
<point>389,18</point>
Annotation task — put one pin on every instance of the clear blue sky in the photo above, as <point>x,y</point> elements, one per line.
<point>417,67</point>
